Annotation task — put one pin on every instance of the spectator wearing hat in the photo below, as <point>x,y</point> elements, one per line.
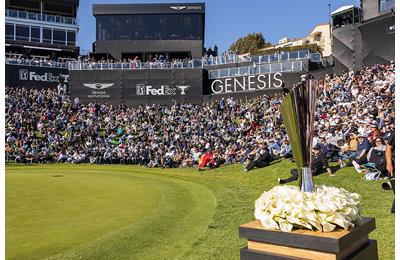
<point>374,133</point>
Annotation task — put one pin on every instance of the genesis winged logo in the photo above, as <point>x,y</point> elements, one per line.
<point>178,8</point>
<point>183,88</point>
<point>98,86</point>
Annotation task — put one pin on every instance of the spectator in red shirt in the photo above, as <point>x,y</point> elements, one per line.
<point>375,133</point>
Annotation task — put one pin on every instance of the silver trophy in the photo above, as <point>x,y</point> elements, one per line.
<point>298,113</point>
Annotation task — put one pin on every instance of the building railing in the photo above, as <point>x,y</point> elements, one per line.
<point>199,63</point>
<point>37,63</point>
<point>41,17</point>
<point>292,66</point>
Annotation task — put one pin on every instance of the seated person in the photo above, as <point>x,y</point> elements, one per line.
<point>262,159</point>
<point>216,161</point>
<point>274,147</point>
<point>362,150</point>
<point>319,163</point>
<point>348,149</point>
<point>286,150</point>
<point>206,160</point>
<point>375,157</point>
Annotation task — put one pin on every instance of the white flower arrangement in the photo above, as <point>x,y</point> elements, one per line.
<point>285,207</point>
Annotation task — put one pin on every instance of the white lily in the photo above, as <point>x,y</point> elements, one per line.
<point>284,207</point>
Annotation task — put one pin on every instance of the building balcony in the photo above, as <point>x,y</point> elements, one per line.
<point>56,19</point>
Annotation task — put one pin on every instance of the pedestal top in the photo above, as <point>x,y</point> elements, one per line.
<point>334,242</point>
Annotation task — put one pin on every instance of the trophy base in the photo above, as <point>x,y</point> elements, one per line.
<point>307,244</point>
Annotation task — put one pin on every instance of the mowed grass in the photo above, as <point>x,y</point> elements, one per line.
<point>68,211</point>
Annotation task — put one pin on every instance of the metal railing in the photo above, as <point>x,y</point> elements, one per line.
<point>41,17</point>
<point>37,63</point>
<point>199,63</point>
<point>291,66</point>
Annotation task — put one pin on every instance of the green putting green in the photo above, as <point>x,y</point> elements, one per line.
<point>68,211</point>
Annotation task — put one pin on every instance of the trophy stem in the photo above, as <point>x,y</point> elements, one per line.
<point>305,180</point>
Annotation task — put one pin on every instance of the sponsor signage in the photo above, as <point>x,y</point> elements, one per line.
<point>98,91</point>
<point>137,87</point>
<point>25,74</point>
<point>163,90</point>
<point>247,83</point>
<point>37,77</point>
<point>186,7</point>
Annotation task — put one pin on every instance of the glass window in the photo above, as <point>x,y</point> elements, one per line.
<point>285,56</point>
<point>123,25</point>
<point>35,34</point>
<point>224,73</point>
<point>264,69</point>
<point>386,5</point>
<point>47,33</point>
<point>155,31</point>
<point>286,66</point>
<point>149,27</point>
<point>105,28</point>
<point>59,37</point>
<point>9,31</point>
<point>244,71</point>
<point>276,67</point>
<point>191,27</point>
<point>174,27</point>
<point>139,27</point>
<point>293,55</point>
<point>71,38</point>
<point>234,72</point>
<point>22,33</point>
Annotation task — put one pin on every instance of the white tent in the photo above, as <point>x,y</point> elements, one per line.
<point>342,9</point>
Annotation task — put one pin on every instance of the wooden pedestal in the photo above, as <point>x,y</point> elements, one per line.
<point>306,244</point>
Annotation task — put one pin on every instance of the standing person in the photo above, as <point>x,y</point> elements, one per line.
<point>389,154</point>
<point>318,164</point>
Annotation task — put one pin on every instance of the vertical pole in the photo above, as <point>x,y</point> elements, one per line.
<point>330,28</point>
<point>41,10</point>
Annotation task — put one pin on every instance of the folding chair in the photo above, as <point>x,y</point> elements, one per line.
<point>372,174</point>
<point>369,170</point>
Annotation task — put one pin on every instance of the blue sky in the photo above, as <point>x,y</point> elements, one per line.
<point>227,20</point>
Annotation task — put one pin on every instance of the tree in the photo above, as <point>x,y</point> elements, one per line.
<point>250,43</point>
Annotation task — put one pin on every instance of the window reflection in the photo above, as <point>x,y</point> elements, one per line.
<point>149,27</point>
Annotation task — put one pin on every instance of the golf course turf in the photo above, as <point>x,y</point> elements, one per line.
<point>65,211</point>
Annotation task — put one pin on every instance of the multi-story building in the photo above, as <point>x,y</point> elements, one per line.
<point>320,35</point>
<point>42,28</point>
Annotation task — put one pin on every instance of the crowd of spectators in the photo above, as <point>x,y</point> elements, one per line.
<point>40,61</point>
<point>161,62</point>
<point>355,111</point>
<point>157,62</point>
